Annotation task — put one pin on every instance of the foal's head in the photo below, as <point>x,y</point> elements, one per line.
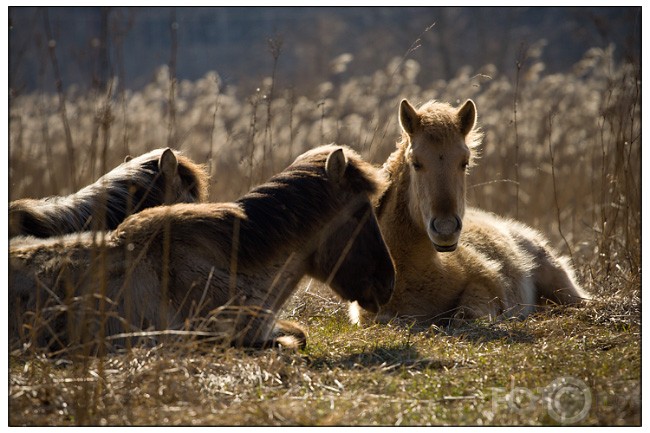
<point>162,176</point>
<point>351,256</point>
<point>438,141</point>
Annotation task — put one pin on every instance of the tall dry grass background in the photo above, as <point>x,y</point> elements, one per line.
<point>562,152</point>
<point>574,144</point>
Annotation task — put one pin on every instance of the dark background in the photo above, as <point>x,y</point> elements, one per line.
<point>93,43</point>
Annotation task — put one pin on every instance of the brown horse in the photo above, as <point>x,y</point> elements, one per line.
<point>225,269</point>
<point>162,176</point>
<point>496,267</point>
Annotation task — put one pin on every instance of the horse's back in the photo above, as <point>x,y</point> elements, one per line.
<point>159,177</point>
<point>42,218</point>
<point>493,236</point>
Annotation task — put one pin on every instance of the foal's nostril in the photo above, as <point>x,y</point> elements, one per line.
<point>447,225</point>
<point>459,223</point>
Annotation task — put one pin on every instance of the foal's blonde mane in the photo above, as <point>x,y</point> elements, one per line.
<point>440,121</point>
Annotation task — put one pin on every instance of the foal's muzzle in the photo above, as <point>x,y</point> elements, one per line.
<point>378,294</point>
<point>444,232</point>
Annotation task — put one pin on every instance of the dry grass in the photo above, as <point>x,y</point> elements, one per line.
<point>485,373</point>
<point>578,165</point>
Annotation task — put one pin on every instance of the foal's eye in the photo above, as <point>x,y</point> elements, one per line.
<point>416,165</point>
<point>465,165</point>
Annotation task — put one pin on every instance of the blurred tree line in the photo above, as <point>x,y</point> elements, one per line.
<point>307,45</point>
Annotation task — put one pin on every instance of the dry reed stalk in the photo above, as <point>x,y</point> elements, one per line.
<point>51,43</point>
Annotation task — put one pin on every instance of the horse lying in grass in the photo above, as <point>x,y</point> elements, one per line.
<point>223,268</point>
<point>161,176</point>
<point>496,268</point>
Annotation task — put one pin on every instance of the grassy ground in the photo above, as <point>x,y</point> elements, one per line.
<point>563,365</point>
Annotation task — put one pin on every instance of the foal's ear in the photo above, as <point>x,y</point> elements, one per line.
<point>408,117</point>
<point>335,165</point>
<point>128,158</point>
<point>167,163</point>
<point>467,117</point>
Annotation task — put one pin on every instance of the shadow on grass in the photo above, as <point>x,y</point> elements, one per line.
<point>476,331</point>
<point>482,333</point>
<point>385,358</point>
<point>393,356</point>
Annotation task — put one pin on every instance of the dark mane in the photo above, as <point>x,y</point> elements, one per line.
<point>292,202</point>
<point>129,188</point>
<point>276,214</point>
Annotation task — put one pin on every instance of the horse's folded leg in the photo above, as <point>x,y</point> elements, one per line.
<point>289,335</point>
<point>261,332</point>
<point>476,302</point>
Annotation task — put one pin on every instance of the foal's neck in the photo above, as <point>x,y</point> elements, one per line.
<point>281,231</point>
<point>283,218</point>
<point>395,218</point>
